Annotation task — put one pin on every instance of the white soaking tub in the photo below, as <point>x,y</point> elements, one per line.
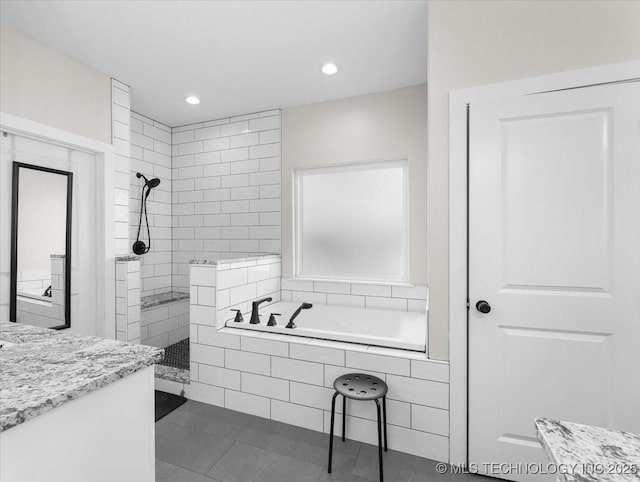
<point>393,329</point>
<point>34,294</point>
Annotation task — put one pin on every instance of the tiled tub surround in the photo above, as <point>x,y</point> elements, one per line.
<point>164,319</point>
<point>358,295</point>
<point>393,329</point>
<point>226,190</point>
<point>33,280</point>
<point>128,299</point>
<point>151,156</point>
<point>290,379</point>
<point>34,309</point>
<point>221,286</point>
<point>43,369</point>
<point>385,315</point>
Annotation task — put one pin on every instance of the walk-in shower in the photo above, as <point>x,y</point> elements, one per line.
<point>139,247</point>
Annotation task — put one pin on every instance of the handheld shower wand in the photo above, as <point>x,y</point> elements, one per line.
<point>303,306</point>
<point>139,247</point>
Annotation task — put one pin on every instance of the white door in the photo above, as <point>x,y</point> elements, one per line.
<point>554,249</point>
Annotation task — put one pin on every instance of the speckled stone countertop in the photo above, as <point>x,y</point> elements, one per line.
<point>40,369</point>
<point>172,374</point>
<point>151,301</point>
<point>588,453</point>
<point>234,260</point>
<point>128,258</point>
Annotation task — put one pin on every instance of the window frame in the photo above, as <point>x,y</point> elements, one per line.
<point>298,175</point>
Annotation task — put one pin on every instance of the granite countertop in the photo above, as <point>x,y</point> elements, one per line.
<point>151,301</point>
<point>235,260</point>
<point>128,258</point>
<point>588,453</point>
<point>40,369</point>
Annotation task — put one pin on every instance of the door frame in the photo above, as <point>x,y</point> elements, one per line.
<point>458,218</point>
<point>104,169</point>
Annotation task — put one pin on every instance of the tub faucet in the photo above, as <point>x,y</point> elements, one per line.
<point>255,317</point>
<point>303,306</point>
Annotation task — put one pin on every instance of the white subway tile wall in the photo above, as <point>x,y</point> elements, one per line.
<point>258,377</point>
<point>28,280</point>
<point>226,191</point>
<point>151,156</point>
<point>49,313</point>
<point>58,271</point>
<point>165,325</point>
<point>120,137</point>
<point>219,198</point>
<point>343,293</point>
<point>290,379</point>
<point>241,282</point>
<point>128,300</point>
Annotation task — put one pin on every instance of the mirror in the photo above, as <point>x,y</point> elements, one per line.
<point>41,246</point>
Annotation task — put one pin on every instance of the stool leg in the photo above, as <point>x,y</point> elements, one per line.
<point>344,415</point>
<point>379,440</point>
<point>384,412</point>
<point>333,414</point>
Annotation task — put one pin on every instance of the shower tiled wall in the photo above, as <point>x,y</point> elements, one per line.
<point>120,137</point>
<point>151,156</point>
<point>128,299</point>
<point>226,190</point>
<point>165,324</point>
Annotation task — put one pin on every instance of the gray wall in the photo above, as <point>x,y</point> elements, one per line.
<point>384,126</point>
<point>474,43</point>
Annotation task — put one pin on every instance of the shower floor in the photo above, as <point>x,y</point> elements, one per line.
<point>175,366</point>
<point>177,355</point>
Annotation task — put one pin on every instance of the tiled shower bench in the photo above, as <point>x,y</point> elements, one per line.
<point>165,321</point>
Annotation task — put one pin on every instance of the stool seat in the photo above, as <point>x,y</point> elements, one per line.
<point>360,386</point>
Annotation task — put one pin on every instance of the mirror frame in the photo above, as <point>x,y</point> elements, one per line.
<point>14,240</point>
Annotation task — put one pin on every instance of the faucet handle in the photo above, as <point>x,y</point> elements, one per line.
<point>238,318</point>
<point>272,319</point>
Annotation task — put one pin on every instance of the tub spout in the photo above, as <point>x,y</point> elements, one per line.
<point>255,317</point>
<point>303,306</point>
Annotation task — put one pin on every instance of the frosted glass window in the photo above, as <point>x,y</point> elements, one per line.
<point>351,222</point>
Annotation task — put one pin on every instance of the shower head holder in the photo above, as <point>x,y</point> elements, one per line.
<point>139,247</point>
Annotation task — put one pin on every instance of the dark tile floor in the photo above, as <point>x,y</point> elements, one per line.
<point>177,355</point>
<point>203,443</point>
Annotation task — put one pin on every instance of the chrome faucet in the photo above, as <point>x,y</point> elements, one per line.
<point>255,317</point>
<point>303,306</point>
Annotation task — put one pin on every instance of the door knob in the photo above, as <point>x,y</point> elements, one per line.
<point>483,307</point>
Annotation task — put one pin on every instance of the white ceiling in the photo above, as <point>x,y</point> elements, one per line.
<point>238,56</point>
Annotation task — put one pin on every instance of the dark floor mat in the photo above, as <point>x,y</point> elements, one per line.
<point>167,403</point>
<point>177,355</point>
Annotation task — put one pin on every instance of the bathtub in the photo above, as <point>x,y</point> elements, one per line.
<point>34,294</point>
<point>393,329</point>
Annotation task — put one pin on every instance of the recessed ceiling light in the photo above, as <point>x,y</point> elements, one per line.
<point>192,99</point>
<point>329,69</point>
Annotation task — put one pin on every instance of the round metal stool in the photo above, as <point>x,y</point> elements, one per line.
<point>360,386</point>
